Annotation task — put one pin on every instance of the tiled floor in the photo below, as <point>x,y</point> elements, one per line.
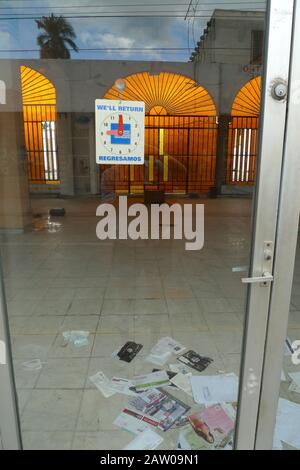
<point>64,278</point>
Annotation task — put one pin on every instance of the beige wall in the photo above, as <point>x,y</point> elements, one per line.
<point>14,197</point>
<point>79,82</point>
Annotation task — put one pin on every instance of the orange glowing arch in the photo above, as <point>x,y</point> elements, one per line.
<point>247,100</point>
<point>165,93</point>
<point>36,88</point>
<point>39,113</point>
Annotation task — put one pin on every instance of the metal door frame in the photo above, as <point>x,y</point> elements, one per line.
<point>10,433</point>
<point>266,206</point>
<point>285,252</point>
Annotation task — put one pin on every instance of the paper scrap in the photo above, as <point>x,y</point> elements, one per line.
<point>121,385</point>
<point>288,348</point>
<point>34,364</point>
<point>213,389</point>
<point>283,376</point>
<point>182,368</point>
<point>103,384</point>
<point>130,423</point>
<point>158,359</point>
<point>295,376</point>
<point>163,350</point>
<point>294,388</point>
<point>78,338</point>
<point>170,374</point>
<point>111,386</point>
<point>152,380</point>
<point>287,427</point>
<point>146,440</point>
<point>183,382</point>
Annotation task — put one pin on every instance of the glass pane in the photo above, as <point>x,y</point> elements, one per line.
<point>83,295</point>
<point>287,430</point>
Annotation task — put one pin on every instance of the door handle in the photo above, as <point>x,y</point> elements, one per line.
<point>264,279</point>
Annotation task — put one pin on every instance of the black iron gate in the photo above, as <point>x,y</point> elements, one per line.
<point>41,143</point>
<point>243,136</point>
<point>180,157</point>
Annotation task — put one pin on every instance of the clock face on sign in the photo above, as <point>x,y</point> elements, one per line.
<point>120,134</point>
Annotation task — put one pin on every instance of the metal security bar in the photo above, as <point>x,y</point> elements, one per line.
<point>242,150</point>
<point>180,157</point>
<point>41,143</point>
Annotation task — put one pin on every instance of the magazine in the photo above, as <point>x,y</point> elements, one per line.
<point>213,425</point>
<point>189,440</point>
<point>160,406</point>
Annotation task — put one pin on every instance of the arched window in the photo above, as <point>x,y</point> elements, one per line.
<point>39,111</point>
<point>247,100</point>
<point>180,133</point>
<point>171,92</point>
<point>243,134</point>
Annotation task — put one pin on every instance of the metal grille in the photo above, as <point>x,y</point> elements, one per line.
<point>180,157</point>
<point>41,143</point>
<point>242,150</point>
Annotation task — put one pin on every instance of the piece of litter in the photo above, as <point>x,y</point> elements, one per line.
<point>103,384</point>
<point>78,338</point>
<point>161,408</point>
<point>194,360</point>
<point>230,409</point>
<point>212,389</point>
<point>141,417</point>
<point>130,423</point>
<point>189,440</point>
<point>213,425</point>
<point>34,364</point>
<point>170,375</point>
<point>146,440</point>
<point>129,351</point>
<point>183,382</point>
<point>167,344</point>
<point>181,422</point>
<point>294,388</point>
<point>152,380</point>
<point>288,348</point>
<point>283,376</point>
<point>287,424</point>
<point>295,385</point>
<point>183,369</point>
<point>163,350</point>
<point>121,385</point>
<point>295,376</point>
<point>158,360</point>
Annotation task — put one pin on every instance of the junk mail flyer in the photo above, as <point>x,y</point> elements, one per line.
<point>120,132</point>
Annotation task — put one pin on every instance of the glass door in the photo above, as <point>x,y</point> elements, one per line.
<point>114,302</point>
<point>279,416</point>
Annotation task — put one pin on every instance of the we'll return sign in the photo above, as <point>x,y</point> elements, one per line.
<point>120,132</point>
